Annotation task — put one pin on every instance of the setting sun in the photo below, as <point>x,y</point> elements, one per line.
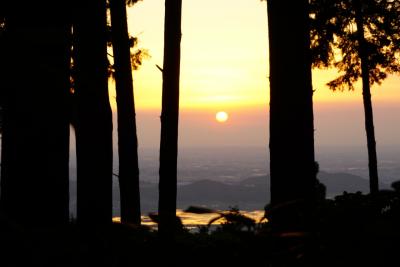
<point>221,116</point>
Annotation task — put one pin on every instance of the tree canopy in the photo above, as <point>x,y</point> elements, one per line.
<point>334,41</point>
<point>132,2</point>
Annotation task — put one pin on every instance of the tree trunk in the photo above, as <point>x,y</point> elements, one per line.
<point>369,118</point>
<point>170,117</point>
<point>94,122</point>
<point>127,137</point>
<point>35,141</point>
<point>292,162</point>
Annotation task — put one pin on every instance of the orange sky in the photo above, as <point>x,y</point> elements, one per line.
<point>224,66</point>
<point>224,57</point>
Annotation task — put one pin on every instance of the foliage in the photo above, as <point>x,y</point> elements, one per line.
<point>132,2</point>
<point>155,217</point>
<point>137,54</point>
<point>351,230</point>
<point>334,40</point>
<point>129,3</point>
<point>232,220</point>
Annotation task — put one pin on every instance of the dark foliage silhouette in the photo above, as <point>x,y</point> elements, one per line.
<point>127,138</point>
<point>291,108</point>
<point>94,123</point>
<point>35,86</point>
<point>169,117</point>
<point>365,34</point>
<point>232,220</point>
<point>303,228</point>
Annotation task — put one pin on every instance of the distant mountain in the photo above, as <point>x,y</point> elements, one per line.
<point>260,180</point>
<point>248,194</point>
<point>337,183</point>
<point>221,195</point>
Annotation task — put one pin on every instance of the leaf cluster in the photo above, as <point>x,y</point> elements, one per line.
<point>129,3</point>
<point>335,42</point>
<point>232,219</point>
<point>137,54</point>
<point>132,2</point>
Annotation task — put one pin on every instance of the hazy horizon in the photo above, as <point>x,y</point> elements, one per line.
<point>335,125</point>
<point>225,66</point>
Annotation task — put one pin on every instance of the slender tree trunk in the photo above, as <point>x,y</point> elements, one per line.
<point>35,141</point>
<point>2,63</point>
<point>94,122</point>
<point>292,162</point>
<point>127,137</point>
<point>170,117</point>
<point>369,118</point>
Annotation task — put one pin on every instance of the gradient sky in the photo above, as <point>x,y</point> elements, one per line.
<point>225,67</point>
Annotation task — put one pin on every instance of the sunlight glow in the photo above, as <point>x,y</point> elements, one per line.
<point>221,116</point>
<point>191,219</point>
<point>224,66</point>
<point>220,64</point>
<point>224,62</point>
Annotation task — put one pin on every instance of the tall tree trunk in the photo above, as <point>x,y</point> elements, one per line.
<point>94,122</point>
<point>369,118</point>
<point>35,141</point>
<point>292,162</point>
<point>170,117</point>
<point>127,137</point>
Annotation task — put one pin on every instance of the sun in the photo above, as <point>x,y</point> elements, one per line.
<point>221,116</point>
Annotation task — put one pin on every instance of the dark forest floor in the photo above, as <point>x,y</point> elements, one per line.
<point>352,230</point>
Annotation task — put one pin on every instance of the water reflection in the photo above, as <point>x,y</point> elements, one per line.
<point>193,220</point>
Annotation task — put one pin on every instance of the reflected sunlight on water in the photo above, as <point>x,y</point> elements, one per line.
<point>191,219</point>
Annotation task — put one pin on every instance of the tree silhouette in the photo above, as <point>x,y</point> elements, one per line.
<point>2,66</point>
<point>1,116</point>
<point>292,162</point>
<point>169,117</point>
<point>94,122</point>
<point>127,137</point>
<point>35,86</point>
<point>361,39</point>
